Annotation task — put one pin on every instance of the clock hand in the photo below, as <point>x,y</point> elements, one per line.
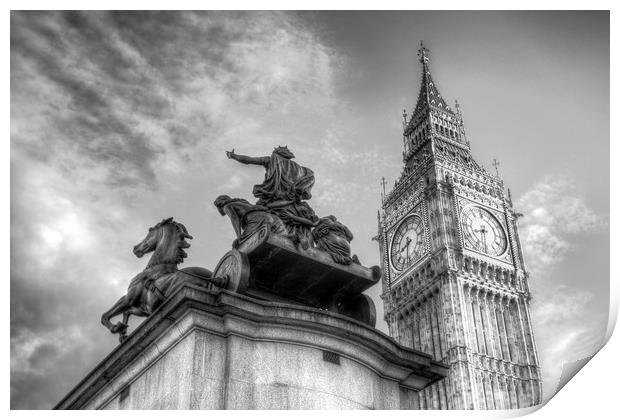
<point>482,232</point>
<point>406,245</point>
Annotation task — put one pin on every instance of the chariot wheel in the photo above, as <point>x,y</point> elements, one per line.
<point>235,267</point>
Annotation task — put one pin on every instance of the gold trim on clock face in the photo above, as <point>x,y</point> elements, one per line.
<point>408,243</point>
<point>482,232</point>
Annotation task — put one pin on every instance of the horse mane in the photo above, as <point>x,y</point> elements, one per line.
<point>181,242</point>
<point>183,233</point>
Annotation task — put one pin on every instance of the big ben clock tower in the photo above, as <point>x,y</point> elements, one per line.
<point>454,281</point>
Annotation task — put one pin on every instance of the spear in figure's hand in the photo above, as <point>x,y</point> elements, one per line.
<point>230,154</point>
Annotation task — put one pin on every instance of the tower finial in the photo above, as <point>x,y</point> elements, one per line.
<point>383,184</point>
<point>496,165</point>
<point>404,118</point>
<point>423,54</point>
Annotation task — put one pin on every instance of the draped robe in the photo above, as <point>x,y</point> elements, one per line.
<point>284,180</point>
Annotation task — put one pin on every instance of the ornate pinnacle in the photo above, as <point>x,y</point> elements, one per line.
<point>495,164</point>
<point>422,53</point>
<point>383,184</point>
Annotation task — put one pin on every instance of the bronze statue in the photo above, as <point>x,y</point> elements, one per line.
<point>283,190</point>
<point>147,290</point>
<point>333,237</point>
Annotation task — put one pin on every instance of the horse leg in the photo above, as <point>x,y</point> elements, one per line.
<point>124,304</point>
<point>122,331</point>
<point>124,324</point>
<point>118,308</point>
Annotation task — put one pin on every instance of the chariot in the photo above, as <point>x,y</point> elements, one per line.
<point>268,266</point>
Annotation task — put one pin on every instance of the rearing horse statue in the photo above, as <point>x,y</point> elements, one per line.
<point>149,289</point>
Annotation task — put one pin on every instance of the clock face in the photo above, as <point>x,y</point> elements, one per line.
<point>482,232</point>
<point>408,243</point>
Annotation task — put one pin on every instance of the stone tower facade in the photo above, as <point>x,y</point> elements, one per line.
<point>454,281</point>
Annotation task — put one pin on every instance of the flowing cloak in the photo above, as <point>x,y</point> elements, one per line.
<point>284,180</point>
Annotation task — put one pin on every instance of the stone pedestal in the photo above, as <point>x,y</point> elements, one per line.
<point>215,349</point>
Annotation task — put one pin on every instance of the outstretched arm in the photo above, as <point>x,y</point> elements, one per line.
<point>247,160</point>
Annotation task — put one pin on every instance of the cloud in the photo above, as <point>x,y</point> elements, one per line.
<point>553,214</point>
<point>565,304</point>
<point>566,330</point>
<point>96,85</point>
<point>567,326</point>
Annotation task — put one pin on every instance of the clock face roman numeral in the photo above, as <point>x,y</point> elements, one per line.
<point>482,232</point>
<point>408,243</point>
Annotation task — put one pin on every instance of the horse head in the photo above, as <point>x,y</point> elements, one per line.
<point>149,243</point>
<point>167,239</point>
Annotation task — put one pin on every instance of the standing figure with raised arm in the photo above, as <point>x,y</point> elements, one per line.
<point>284,179</point>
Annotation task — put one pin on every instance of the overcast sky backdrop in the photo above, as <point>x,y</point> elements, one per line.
<point>121,119</point>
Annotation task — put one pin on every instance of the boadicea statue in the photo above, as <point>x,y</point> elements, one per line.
<point>168,241</point>
<point>283,251</point>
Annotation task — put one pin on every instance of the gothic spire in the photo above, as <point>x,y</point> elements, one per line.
<point>429,95</point>
<point>424,59</point>
<point>434,121</point>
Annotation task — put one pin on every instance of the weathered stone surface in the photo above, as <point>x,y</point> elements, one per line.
<point>208,349</point>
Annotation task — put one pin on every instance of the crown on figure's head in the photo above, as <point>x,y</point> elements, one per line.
<point>284,152</point>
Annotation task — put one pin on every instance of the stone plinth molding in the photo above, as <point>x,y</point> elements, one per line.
<point>213,349</point>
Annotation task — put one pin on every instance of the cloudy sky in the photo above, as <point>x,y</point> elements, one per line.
<point>121,119</point>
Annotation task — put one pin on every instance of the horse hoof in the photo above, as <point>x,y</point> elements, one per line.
<point>119,328</point>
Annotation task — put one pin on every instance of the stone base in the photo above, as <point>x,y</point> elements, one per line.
<point>208,349</point>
